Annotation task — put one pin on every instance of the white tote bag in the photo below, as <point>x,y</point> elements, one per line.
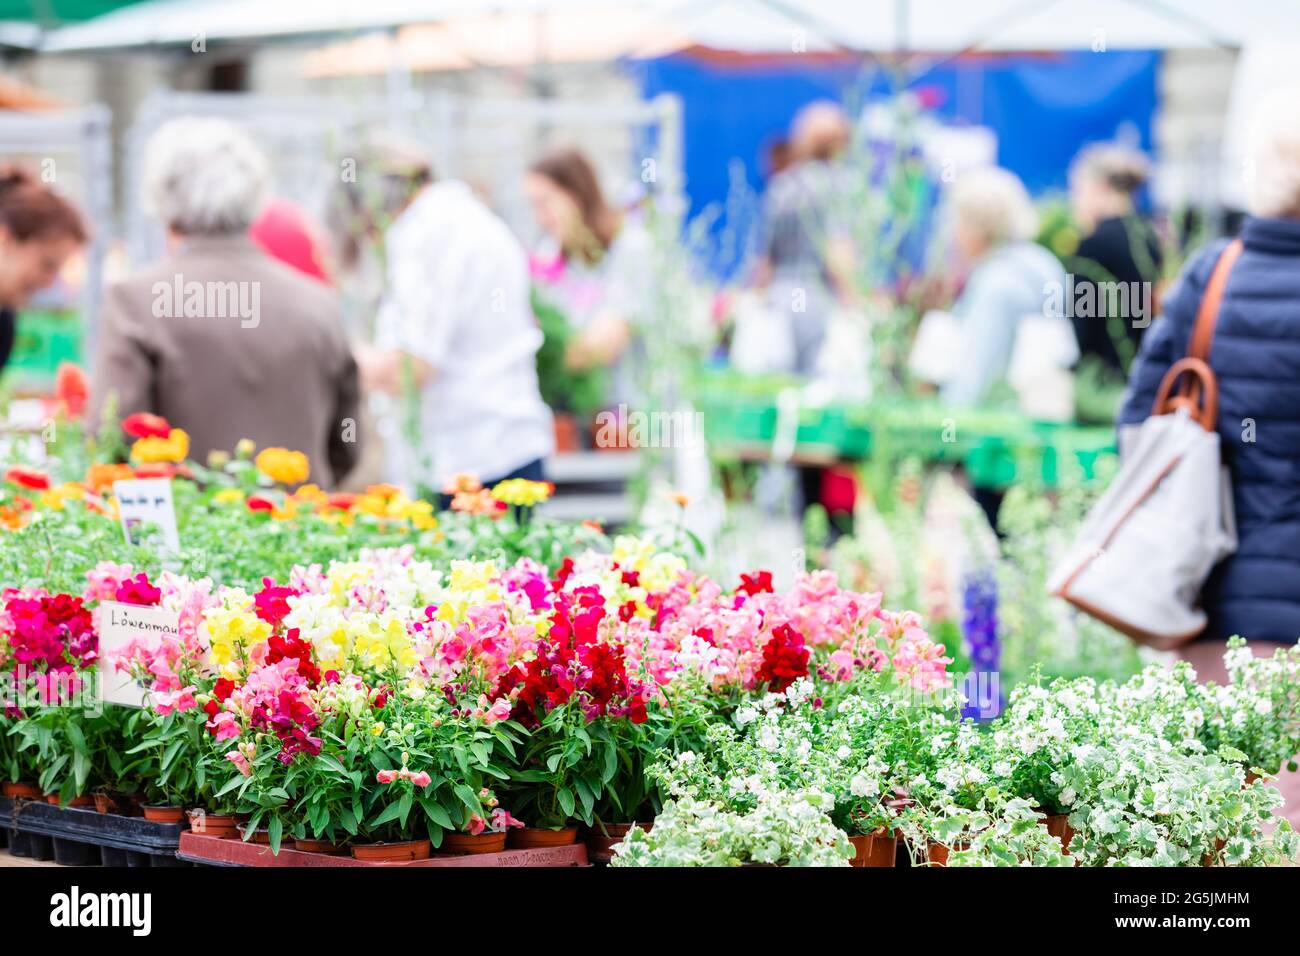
<point>1146,549</point>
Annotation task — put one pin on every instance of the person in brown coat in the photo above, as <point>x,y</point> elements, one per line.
<point>219,338</point>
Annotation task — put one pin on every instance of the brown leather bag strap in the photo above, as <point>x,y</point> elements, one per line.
<point>1198,390</point>
<point>1208,313</point>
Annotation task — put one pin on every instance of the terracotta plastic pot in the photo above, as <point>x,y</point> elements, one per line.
<point>936,854</point>
<point>106,803</point>
<point>530,837</point>
<point>877,848</point>
<point>468,844</point>
<point>221,825</point>
<point>22,791</point>
<point>262,836</point>
<point>1058,825</point>
<point>1208,859</point>
<point>600,844</point>
<point>164,814</point>
<point>319,846</point>
<point>566,432</point>
<point>84,800</point>
<point>391,852</point>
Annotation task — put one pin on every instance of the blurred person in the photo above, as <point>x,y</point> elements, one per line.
<point>1118,246</point>
<point>994,224</point>
<point>1255,355</point>
<point>806,262</point>
<point>597,270</point>
<point>39,232</point>
<point>455,332</point>
<point>219,338</point>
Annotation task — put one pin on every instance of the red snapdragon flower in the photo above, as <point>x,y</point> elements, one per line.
<point>50,632</point>
<point>293,646</point>
<point>785,659</point>
<point>138,591</point>
<point>562,573</point>
<point>760,582</point>
<point>272,602</point>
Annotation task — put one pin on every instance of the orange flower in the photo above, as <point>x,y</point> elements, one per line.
<point>10,519</point>
<point>384,491</point>
<point>71,388</point>
<point>462,482</point>
<point>100,477</point>
<point>478,502</point>
<point>159,470</point>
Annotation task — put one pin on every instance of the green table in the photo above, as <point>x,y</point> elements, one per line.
<point>743,419</point>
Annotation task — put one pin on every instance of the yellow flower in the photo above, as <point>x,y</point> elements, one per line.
<point>311,494</point>
<point>471,575</point>
<point>175,447</point>
<point>232,633</point>
<point>228,496</point>
<point>521,492</point>
<point>245,447</point>
<point>283,466</point>
<point>55,497</point>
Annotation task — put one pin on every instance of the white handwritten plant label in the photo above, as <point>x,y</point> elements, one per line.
<point>148,501</point>
<point>119,625</point>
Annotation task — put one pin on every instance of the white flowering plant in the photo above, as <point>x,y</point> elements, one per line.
<point>1139,800</point>
<point>783,828</point>
<point>1014,836</point>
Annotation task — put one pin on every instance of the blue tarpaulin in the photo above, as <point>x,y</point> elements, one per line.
<point>1043,107</point>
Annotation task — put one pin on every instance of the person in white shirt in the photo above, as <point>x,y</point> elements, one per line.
<point>455,339</point>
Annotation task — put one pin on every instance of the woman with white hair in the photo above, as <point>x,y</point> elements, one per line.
<point>1010,277</point>
<point>219,338</point>
<point>1255,356</point>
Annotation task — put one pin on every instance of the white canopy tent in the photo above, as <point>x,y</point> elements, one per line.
<point>743,25</point>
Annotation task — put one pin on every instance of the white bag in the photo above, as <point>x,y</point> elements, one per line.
<point>764,339</point>
<point>1145,550</point>
<point>935,351</point>
<point>1045,350</point>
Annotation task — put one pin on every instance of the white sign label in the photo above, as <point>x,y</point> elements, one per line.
<point>119,624</point>
<point>148,501</point>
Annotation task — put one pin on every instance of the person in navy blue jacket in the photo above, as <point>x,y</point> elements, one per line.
<point>1255,354</point>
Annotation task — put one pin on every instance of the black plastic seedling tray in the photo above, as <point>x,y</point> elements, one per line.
<point>76,837</point>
